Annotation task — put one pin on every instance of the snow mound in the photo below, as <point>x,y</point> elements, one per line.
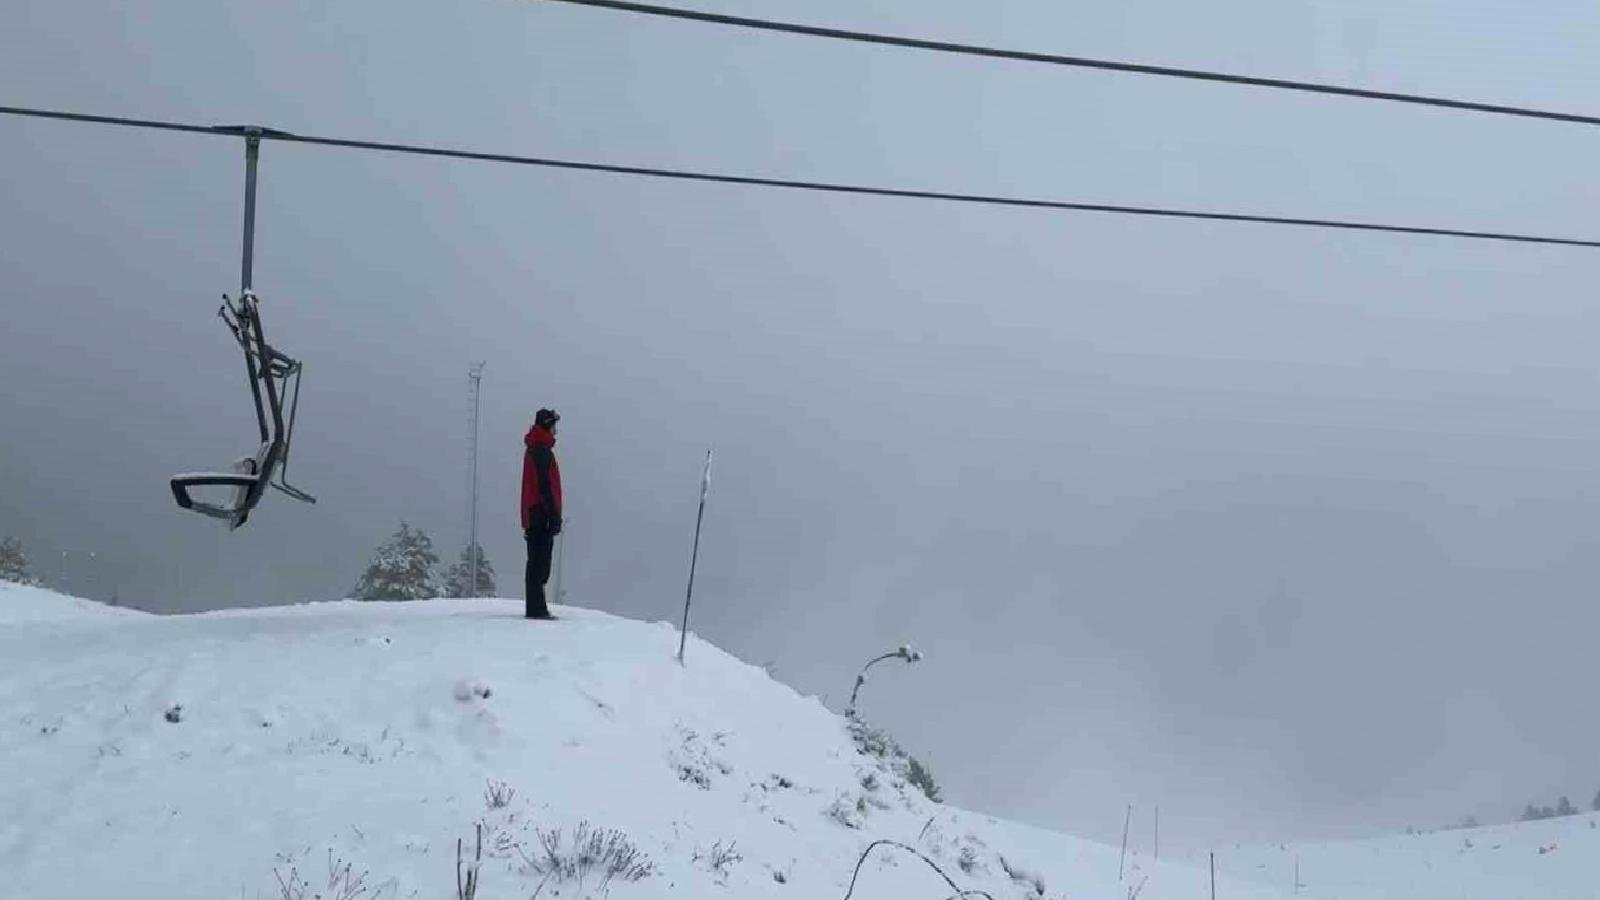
<point>343,750</point>
<point>214,755</point>
<point>23,603</point>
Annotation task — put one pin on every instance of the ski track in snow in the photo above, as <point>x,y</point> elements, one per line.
<point>370,731</point>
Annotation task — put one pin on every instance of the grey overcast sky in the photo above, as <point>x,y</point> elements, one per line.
<point>1290,532</point>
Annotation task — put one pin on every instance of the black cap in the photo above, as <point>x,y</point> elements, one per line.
<point>544,418</point>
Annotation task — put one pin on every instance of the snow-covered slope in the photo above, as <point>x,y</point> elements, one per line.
<point>367,733</point>
<point>21,603</point>
<point>152,757</point>
<point>1553,859</point>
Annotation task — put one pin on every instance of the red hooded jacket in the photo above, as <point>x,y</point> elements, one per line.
<point>541,477</point>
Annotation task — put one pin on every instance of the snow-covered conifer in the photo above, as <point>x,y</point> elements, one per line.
<point>14,563</point>
<point>402,568</point>
<point>458,581</point>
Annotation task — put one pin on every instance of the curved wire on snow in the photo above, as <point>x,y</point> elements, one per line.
<point>959,894</point>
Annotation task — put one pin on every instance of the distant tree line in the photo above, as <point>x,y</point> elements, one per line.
<point>1533,812</point>
<point>405,567</point>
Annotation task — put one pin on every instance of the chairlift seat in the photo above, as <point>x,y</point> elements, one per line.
<point>245,479</point>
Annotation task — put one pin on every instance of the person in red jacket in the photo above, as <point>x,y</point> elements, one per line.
<point>541,508</point>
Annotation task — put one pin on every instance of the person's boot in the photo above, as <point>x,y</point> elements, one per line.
<point>536,608</point>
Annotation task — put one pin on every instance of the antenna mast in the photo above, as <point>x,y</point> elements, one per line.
<point>475,383</point>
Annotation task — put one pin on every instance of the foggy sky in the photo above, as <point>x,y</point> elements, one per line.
<point>1290,532</point>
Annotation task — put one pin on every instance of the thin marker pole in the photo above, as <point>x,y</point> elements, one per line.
<point>1213,875</point>
<point>694,557</point>
<point>561,559</point>
<point>1128,820</point>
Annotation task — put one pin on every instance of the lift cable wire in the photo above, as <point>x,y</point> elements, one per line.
<point>1079,62</point>
<point>266,134</point>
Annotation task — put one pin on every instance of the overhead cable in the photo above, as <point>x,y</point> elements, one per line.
<point>1080,62</point>
<point>268,134</point>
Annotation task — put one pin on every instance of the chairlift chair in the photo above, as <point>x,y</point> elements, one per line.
<point>270,373</point>
<point>274,378</point>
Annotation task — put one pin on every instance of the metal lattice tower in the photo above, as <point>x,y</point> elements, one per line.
<point>475,389</point>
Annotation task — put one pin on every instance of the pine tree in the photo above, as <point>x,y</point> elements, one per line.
<point>458,582</point>
<point>1597,801</point>
<point>1564,807</point>
<point>14,563</point>
<point>402,568</point>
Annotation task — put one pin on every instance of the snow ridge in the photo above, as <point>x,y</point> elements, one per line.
<point>344,749</point>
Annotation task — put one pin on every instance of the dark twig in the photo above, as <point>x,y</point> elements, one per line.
<point>959,892</point>
<point>469,889</point>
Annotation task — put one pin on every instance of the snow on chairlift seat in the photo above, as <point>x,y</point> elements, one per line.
<point>244,478</point>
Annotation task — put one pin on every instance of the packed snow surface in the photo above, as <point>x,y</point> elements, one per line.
<point>246,753</point>
<point>1552,859</point>
<point>21,603</point>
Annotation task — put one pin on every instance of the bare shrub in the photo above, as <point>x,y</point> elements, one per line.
<point>693,759</point>
<point>605,854</point>
<point>719,858</point>
<point>876,743</point>
<point>694,775</point>
<point>846,813</point>
<point>343,883</point>
<point>498,795</point>
<point>1030,880</point>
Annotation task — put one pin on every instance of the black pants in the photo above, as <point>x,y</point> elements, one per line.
<point>540,544</point>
